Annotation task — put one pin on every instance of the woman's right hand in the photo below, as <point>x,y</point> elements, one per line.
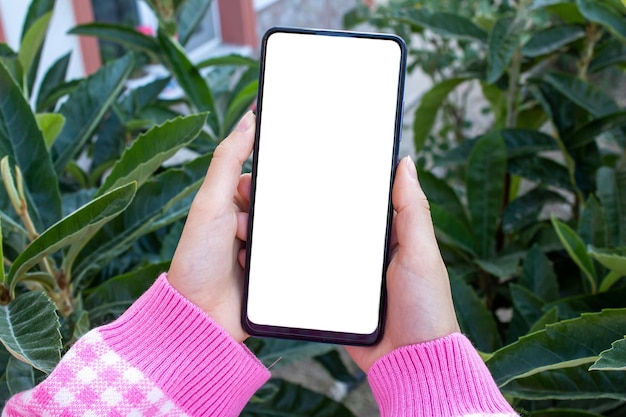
<point>419,301</point>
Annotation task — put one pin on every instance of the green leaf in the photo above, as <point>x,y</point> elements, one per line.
<point>6,51</point>
<point>527,142</point>
<point>571,307</point>
<point>333,363</point>
<point>558,412</point>
<point>613,359</point>
<point>169,242</point>
<point>238,105</point>
<point>56,93</point>
<point>21,139</point>
<point>29,329</point>
<point>592,226</point>
<point>595,128</point>
<point>109,146</point>
<point>81,327</point>
<point>541,170</point>
<point>503,41</point>
<point>150,150</point>
<point>110,299</point>
<point>568,384</point>
<point>562,345</point>
<point>612,53</point>
<point>149,211</point>
<point>32,42</point>
<point>497,100</point>
<point>459,154</point>
<point>50,125</point>
<point>502,267</point>
<point>440,193</point>
<point>474,318</point>
<point>355,16</point>
<point>568,12</point>
<point>527,304</point>
<point>85,108</point>
<point>583,94</point>
<point>446,24</point>
<point>538,275</point>
<point>541,4</point>
<point>560,110</point>
<point>426,112</point>
<point>452,230</point>
<point>20,376</point>
<point>575,247</point>
<point>2,276</point>
<point>46,280</point>
<point>138,99</point>
<point>189,78</point>
<point>532,116</point>
<point>229,60</point>
<point>612,261</point>
<point>526,209</point>
<point>486,170</point>
<point>77,227</point>
<point>14,68</point>
<point>550,317</point>
<point>295,401</point>
<point>551,40</point>
<point>36,10</point>
<point>190,16</point>
<point>611,186</point>
<point>598,12</point>
<point>124,35</point>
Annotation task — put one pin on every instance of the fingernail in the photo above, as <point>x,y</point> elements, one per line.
<point>411,167</point>
<point>246,121</point>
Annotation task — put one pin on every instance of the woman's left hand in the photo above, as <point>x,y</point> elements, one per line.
<point>207,266</point>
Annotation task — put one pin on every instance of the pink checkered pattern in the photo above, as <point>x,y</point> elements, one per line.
<point>94,381</point>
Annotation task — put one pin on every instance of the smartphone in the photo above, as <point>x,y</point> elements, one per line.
<point>329,116</point>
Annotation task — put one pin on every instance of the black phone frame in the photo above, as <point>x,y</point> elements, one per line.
<point>314,335</point>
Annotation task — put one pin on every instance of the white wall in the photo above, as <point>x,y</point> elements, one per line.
<point>58,42</point>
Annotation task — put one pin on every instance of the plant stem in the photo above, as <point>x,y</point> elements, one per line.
<point>594,33</point>
<point>46,265</point>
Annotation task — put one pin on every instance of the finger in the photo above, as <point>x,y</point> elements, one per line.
<point>241,256</point>
<point>394,233</point>
<point>414,227</point>
<point>242,226</point>
<point>245,183</point>
<point>223,176</point>
<point>242,198</point>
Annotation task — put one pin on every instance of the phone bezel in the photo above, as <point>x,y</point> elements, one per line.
<point>262,330</point>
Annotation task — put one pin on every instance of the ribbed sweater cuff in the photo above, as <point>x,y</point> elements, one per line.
<point>442,378</point>
<point>188,355</point>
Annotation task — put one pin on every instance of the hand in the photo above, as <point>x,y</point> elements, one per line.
<point>207,266</point>
<point>419,302</point>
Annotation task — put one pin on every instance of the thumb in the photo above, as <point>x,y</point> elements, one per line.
<point>222,177</point>
<point>414,227</point>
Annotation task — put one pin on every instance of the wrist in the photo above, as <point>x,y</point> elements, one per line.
<point>443,377</point>
<point>170,340</point>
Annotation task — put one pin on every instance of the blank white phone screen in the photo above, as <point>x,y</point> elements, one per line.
<point>325,157</point>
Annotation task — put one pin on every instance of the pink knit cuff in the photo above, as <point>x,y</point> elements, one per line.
<point>189,356</point>
<point>443,377</point>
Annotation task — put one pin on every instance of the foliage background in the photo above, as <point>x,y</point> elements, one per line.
<point>529,206</point>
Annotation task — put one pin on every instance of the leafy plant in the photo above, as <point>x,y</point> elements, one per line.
<point>529,213</point>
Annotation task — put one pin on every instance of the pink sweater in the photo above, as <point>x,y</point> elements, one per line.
<point>166,357</point>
